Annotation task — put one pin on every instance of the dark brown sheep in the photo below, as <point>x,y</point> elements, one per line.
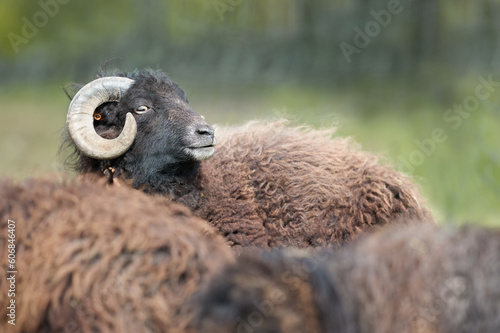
<point>91,259</point>
<point>274,185</point>
<point>415,279</point>
<point>267,185</point>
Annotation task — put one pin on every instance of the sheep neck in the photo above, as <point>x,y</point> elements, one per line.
<point>180,181</point>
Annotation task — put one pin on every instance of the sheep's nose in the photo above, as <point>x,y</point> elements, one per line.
<point>205,130</point>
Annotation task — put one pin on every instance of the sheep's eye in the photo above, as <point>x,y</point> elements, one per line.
<point>141,109</point>
<point>97,116</point>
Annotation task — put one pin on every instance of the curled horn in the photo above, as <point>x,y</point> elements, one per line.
<point>80,119</point>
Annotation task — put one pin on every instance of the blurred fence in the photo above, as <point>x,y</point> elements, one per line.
<point>331,41</point>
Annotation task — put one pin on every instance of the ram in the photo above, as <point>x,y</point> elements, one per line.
<point>91,259</point>
<point>266,184</point>
<point>414,279</point>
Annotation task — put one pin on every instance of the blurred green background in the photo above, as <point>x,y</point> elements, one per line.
<point>404,78</point>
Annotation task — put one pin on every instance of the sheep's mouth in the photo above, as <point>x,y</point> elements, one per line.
<point>201,147</point>
<point>200,152</point>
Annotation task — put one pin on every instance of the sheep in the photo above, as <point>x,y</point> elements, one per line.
<point>266,185</point>
<point>91,259</point>
<point>413,279</point>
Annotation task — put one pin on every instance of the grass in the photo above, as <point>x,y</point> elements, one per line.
<point>32,120</point>
<point>460,176</point>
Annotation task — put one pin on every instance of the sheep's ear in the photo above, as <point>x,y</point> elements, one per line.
<point>327,296</point>
<point>71,89</point>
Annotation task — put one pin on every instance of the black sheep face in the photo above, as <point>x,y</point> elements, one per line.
<point>169,132</point>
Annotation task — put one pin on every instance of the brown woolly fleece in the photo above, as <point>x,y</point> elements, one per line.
<point>273,185</point>
<point>416,279</point>
<point>91,259</point>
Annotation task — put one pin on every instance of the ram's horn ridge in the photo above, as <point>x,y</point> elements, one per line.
<point>80,118</point>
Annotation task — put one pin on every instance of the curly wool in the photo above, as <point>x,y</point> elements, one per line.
<point>408,280</point>
<point>422,279</point>
<point>103,260</point>
<point>273,185</point>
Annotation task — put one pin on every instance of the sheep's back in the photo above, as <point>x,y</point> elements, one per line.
<point>410,279</point>
<point>300,187</point>
<point>103,260</point>
<point>421,279</point>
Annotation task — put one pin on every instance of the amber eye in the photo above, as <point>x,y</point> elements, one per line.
<point>97,116</point>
